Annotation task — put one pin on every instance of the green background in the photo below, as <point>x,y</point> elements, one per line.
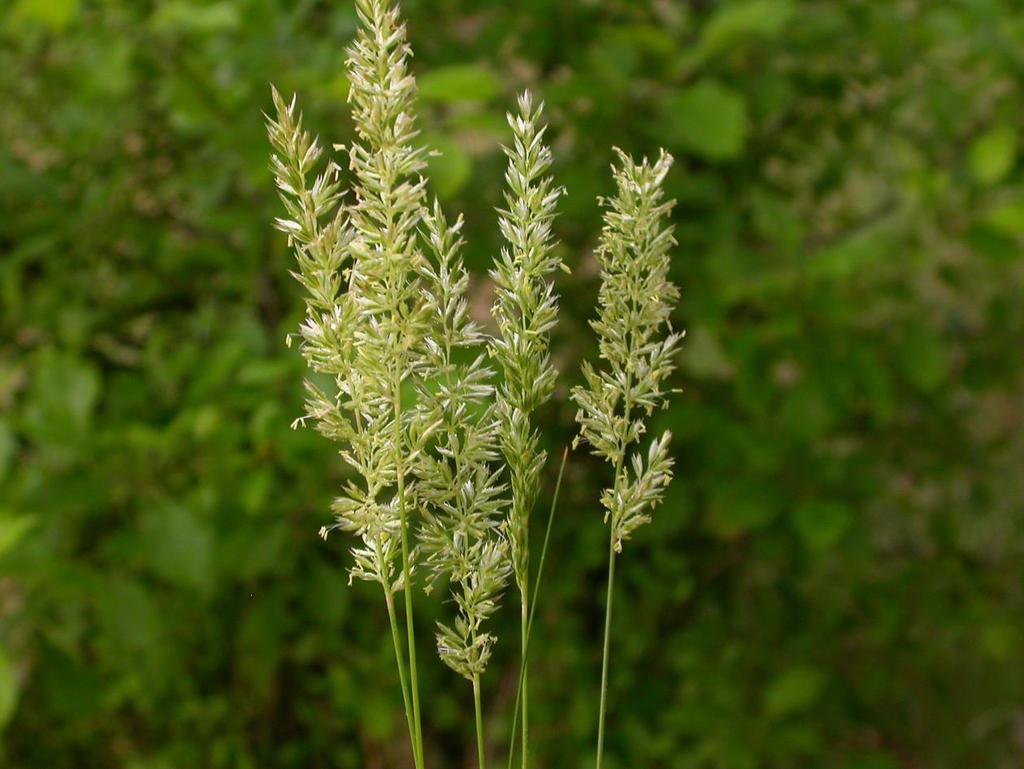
<point>835,579</point>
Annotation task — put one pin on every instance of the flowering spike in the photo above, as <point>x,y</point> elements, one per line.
<point>459,476</point>
<point>634,304</point>
<point>525,310</point>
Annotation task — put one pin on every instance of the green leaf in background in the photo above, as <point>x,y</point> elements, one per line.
<point>774,219</point>
<point>130,621</point>
<point>992,155</point>
<point>987,241</point>
<point>705,357</point>
<point>870,761</point>
<point>1007,218</point>
<point>73,687</point>
<point>13,528</point>
<point>449,168</point>
<point>55,14</point>
<point>194,17</point>
<point>8,446</point>
<point>8,688</point>
<point>110,72</point>
<point>482,131</point>
<point>62,398</point>
<point>339,86</point>
<point>177,547</point>
<point>376,715</point>
<point>852,255</point>
<point>821,523</point>
<point>806,413</point>
<point>736,23</point>
<point>258,646</point>
<point>708,119</point>
<point>792,691</point>
<point>923,357</point>
<point>740,507</point>
<point>647,39</point>
<point>458,82</point>
<point>999,640</point>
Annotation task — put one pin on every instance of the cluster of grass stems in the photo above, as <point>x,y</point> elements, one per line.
<point>433,413</point>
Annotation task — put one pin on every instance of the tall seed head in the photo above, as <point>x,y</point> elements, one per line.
<point>525,309</point>
<point>459,485</point>
<point>636,343</point>
<point>361,264</point>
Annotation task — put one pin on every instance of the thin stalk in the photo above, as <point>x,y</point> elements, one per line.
<point>533,608</point>
<point>407,576</point>
<point>389,599</point>
<point>604,655</point>
<point>611,581</point>
<point>481,761</point>
<point>525,640</point>
<point>399,660</point>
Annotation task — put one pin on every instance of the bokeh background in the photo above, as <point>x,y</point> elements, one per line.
<point>836,577</point>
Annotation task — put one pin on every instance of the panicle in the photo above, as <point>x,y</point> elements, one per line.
<point>459,477</point>
<point>525,310</point>
<point>360,263</point>
<point>636,342</point>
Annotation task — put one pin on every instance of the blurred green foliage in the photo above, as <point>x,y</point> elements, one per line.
<point>836,578</point>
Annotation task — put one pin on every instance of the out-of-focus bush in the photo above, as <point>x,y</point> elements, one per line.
<point>836,578</point>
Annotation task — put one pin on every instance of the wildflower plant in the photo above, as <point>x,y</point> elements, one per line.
<point>446,462</point>
<point>635,302</point>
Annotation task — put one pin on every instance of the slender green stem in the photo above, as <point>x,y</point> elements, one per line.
<point>604,654</point>
<point>407,576</point>
<point>525,640</point>
<point>533,608</point>
<point>623,444</point>
<point>481,761</point>
<point>399,659</point>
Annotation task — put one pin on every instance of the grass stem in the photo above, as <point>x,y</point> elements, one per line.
<point>521,687</point>
<point>525,700</point>
<point>400,661</point>
<point>604,654</point>
<point>407,578</point>
<point>481,760</point>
